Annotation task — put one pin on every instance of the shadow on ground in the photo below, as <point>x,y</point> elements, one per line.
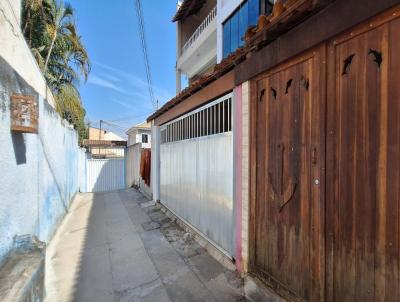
<point>121,247</point>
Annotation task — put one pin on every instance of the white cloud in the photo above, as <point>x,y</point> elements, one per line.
<point>98,81</point>
<point>138,87</point>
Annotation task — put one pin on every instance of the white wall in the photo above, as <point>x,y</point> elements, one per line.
<point>13,48</point>
<point>135,137</point>
<point>133,153</point>
<point>39,173</point>
<point>111,136</point>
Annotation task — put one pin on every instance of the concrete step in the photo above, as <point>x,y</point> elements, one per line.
<point>22,275</point>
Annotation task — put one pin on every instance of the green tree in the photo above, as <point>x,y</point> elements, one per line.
<point>50,30</point>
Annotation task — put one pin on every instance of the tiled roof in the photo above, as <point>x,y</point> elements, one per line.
<point>267,30</point>
<point>187,8</point>
<point>103,143</point>
<point>220,69</point>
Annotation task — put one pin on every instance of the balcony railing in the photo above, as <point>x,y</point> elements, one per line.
<point>210,17</point>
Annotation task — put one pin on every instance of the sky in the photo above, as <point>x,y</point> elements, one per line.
<point>116,90</point>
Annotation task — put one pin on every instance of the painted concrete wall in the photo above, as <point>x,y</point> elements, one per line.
<point>39,173</point>
<point>13,48</point>
<point>133,153</point>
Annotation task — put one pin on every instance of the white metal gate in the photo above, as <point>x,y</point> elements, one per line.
<point>105,174</point>
<point>196,171</point>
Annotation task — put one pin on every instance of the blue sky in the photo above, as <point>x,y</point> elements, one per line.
<point>116,89</point>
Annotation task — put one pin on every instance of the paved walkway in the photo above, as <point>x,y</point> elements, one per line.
<point>119,247</point>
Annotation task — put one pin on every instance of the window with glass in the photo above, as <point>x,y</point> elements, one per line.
<point>145,138</point>
<point>246,15</point>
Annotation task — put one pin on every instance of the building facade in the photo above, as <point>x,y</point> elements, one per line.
<point>140,134</point>
<point>313,163</point>
<point>208,31</point>
<point>105,144</point>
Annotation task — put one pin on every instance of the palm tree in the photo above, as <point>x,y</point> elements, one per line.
<point>59,22</point>
<point>49,28</point>
<point>69,105</point>
<point>69,61</point>
<point>32,9</point>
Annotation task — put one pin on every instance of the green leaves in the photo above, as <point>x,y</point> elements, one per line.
<point>51,33</point>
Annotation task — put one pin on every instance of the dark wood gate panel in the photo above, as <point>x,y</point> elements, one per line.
<point>287,213</point>
<point>363,166</point>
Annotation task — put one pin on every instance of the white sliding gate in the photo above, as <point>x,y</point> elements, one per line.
<point>105,174</point>
<point>196,171</point>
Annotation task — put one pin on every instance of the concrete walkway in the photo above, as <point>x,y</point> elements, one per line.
<point>119,247</point>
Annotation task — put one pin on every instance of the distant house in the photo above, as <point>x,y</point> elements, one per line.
<point>103,143</point>
<point>103,135</point>
<point>140,133</point>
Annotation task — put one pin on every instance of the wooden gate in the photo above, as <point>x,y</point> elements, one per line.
<point>287,215</point>
<point>330,233</point>
<point>363,165</point>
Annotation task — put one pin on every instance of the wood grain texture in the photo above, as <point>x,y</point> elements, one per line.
<point>339,240</point>
<point>338,17</point>
<point>287,241</point>
<point>363,167</point>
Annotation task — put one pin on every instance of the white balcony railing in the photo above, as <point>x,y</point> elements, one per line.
<point>210,17</point>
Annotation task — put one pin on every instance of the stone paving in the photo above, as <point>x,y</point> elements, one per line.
<point>120,247</point>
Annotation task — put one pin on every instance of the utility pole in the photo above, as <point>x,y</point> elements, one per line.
<point>100,135</point>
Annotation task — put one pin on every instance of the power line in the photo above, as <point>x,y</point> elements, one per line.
<point>142,36</point>
<point>128,117</point>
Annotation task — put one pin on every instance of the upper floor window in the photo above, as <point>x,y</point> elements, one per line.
<point>234,28</point>
<point>145,138</point>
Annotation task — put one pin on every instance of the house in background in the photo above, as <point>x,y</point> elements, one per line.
<point>140,133</point>
<point>209,30</point>
<point>104,144</point>
<point>196,39</point>
<point>103,135</point>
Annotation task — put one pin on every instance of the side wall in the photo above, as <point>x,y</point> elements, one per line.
<point>39,172</point>
<point>133,165</point>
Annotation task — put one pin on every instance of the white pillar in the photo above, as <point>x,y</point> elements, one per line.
<point>155,161</point>
<point>178,80</point>
<point>178,54</point>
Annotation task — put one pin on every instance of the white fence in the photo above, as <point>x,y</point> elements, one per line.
<point>105,174</point>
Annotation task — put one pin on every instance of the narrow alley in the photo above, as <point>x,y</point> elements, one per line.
<point>118,246</point>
